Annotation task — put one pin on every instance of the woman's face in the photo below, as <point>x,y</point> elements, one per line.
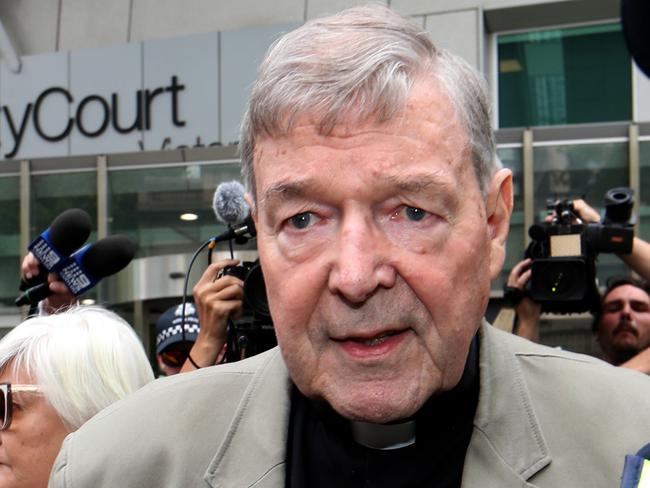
<point>30,444</point>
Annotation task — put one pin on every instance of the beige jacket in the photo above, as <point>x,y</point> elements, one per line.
<point>545,418</point>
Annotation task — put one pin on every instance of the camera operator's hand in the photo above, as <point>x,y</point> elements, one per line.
<point>639,259</point>
<point>528,311</point>
<point>29,267</point>
<point>584,211</point>
<point>61,296</point>
<point>216,299</point>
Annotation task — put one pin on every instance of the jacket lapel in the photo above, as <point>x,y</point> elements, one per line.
<point>507,446</point>
<point>253,452</point>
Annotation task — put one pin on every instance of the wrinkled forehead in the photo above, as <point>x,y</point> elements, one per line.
<point>428,116</point>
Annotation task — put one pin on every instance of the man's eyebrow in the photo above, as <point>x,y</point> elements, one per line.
<point>415,183</point>
<point>286,191</point>
<point>412,183</point>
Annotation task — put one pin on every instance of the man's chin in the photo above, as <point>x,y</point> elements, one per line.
<point>623,352</point>
<point>376,410</point>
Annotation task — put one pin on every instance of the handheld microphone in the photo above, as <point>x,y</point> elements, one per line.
<point>67,233</point>
<point>86,267</point>
<point>230,207</point>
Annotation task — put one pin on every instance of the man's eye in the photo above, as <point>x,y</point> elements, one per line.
<point>411,213</point>
<point>302,220</point>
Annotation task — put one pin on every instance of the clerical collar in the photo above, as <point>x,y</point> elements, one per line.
<point>384,436</point>
<point>440,408</point>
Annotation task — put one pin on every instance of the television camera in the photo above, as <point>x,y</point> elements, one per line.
<point>564,252</point>
<point>253,333</point>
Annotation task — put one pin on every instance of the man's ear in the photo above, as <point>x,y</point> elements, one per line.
<point>251,204</point>
<point>499,210</point>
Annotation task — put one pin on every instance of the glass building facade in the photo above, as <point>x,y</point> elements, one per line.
<point>572,75</point>
<point>10,249</point>
<point>146,205</point>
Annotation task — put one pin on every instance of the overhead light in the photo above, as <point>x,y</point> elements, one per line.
<point>88,301</point>
<point>189,216</point>
<point>510,66</point>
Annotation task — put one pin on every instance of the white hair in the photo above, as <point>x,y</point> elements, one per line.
<point>84,359</point>
<point>358,64</point>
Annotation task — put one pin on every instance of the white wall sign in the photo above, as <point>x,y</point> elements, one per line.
<point>144,96</point>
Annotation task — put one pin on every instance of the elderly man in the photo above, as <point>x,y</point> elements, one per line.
<point>382,216</point>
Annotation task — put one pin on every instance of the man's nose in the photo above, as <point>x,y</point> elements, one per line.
<point>361,260</point>
<point>626,311</point>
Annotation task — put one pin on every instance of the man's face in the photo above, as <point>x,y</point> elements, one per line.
<point>624,328</point>
<point>172,358</point>
<point>377,252</point>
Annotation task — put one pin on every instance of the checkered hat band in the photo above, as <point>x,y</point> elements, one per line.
<point>176,329</point>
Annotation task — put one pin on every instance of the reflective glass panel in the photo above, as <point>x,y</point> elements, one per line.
<point>512,159</point>
<point>643,226</point>
<point>54,193</point>
<point>564,76</point>
<point>10,252</point>
<point>147,205</point>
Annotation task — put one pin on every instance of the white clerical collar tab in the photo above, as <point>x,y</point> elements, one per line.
<point>384,436</point>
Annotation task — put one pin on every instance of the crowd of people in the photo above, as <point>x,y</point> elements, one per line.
<point>382,214</point>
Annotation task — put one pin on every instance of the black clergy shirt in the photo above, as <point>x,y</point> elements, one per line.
<point>322,452</point>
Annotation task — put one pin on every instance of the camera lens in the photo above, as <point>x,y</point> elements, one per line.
<point>558,279</point>
<point>618,204</point>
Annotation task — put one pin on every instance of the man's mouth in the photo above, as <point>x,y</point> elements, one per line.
<point>369,339</point>
<point>372,345</point>
<point>625,327</point>
<point>375,341</point>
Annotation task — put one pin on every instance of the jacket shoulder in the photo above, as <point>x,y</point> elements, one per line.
<point>168,430</point>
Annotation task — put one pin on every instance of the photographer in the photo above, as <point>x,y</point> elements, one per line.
<point>622,320</point>
<point>217,298</point>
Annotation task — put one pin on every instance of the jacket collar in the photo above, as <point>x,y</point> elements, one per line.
<point>507,446</point>
<point>253,452</point>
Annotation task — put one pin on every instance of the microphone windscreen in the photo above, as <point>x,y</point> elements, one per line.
<point>229,204</point>
<point>69,230</point>
<point>108,256</point>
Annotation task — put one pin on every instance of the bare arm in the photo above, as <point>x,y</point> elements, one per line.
<point>528,311</point>
<point>638,260</point>
<point>216,300</point>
